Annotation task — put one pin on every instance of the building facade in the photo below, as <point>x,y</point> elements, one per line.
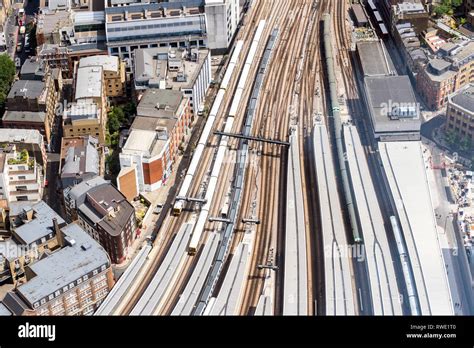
<point>460,113</point>
<point>33,102</point>
<point>71,281</point>
<point>188,71</point>
<point>159,131</point>
<point>105,214</point>
<point>450,71</point>
<point>114,73</point>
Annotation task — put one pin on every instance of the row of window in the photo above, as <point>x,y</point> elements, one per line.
<point>66,288</point>
<point>152,26</point>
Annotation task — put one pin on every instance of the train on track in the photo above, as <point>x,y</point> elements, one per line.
<point>198,152</point>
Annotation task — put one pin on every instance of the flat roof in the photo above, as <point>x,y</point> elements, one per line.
<point>359,14</point>
<point>405,171</point>
<point>149,123</point>
<point>381,271</point>
<point>108,63</point>
<point>28,136</point>
<point>89,82</point>
<point>159,103</point>
<point>151,66</point>
<point>24,116</point>
<point>83,109</point>
<point>372,58</point>
<point>145,142</point>
<point>386,94</point>
<point>64,266</point>
<point>464,98</point>
<point>31,89</point>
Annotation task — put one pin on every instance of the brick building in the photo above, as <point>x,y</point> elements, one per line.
<point>104,213</point>
<point>460,113</point>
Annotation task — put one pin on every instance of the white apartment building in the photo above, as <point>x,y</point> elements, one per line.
<point>20,178</point>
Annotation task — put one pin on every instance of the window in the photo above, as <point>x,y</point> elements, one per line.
<point>101,293</point>
<point>99,285</point>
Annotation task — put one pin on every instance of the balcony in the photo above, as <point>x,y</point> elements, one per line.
<point>25,192</point>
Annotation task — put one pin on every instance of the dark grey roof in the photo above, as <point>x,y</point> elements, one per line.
<point>115,211</point>
<point>386,94</point>
<point>31,89</point>
<point>32,68</point>
<point>372,58</point>
<point>359,14</point>
<point>464,98</point>
<point>151,123</point>
<point>14,303</point>
<point>24,116</point>
<point>159,103</point>
<point>81,256</point>
<point>439,64</point>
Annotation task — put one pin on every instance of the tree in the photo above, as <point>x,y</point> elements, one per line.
<point>7,75</point>
<point>447,7</point>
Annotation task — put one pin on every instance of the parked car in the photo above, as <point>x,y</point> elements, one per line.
<point>158,209</point>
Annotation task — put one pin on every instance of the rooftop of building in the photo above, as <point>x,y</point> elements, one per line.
<point>153,123</point>
<point>50,21</point>
<point>24,116</point>
<point>410,7</point>
<point>108,63</point>
<point>163,103</point>
<point>393,104</point>
<point>107,207</point>
<point>33,67</point>
<point>28,136</point>
<point>89,82</point>
<point>81,256</point>
<point>149,143</point>
<point>4,311</point>
<point>83,109</point>
<point>464,98</point>
<point>81,159</point>
<point>175,68</point>
<point>30,89</point>
<point>171,8</point>
<point>79,190</point>
<point>79,141</point>
<point>28,231</point>
<point>405,170</point>
<point>372,58</point>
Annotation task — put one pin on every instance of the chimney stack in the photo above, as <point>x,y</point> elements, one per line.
<point>59,234</point>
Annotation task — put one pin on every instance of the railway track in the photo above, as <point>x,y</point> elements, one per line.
<point>172,224</point>
<point>292,69</point>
